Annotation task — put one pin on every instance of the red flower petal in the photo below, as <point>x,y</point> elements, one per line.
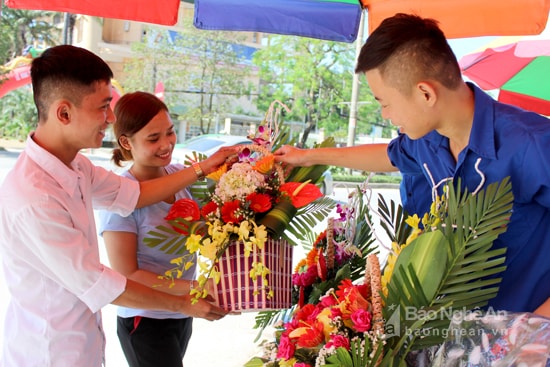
<point>259,203</point>
<point>208,208</point>
<point>306,195</point>
<point>229,212</point>
<point>186,209</point>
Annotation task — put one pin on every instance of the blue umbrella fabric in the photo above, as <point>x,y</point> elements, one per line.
<point>332,20</point>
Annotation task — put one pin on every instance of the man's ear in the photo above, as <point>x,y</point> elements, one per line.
<point>63,112</point>
<point>427,92</point>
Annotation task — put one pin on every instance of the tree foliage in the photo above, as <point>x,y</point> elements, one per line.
<point>314,78</point>
<point>204,71</point>
<point>19,29</point>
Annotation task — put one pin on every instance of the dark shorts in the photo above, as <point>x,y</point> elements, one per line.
<point>154,342</point>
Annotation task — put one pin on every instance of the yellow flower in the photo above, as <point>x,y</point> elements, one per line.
<point>247,248</point>
<point>287,363</point>
<point>260,236</point>
<point>216,175</point>
<point>244,230</point>
<point>328,326</point>
<point>413,221</point>
<point>209,249</point>
<point>390,264</point>
<point>193,242</point>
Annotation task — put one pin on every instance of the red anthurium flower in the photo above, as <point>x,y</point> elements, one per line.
<point>311,336</point>
<point>186,209</point>
<point>350,299</point>
<point>230,213</point>
<point>259,203</point>
<point>308,312</point>
<point>210,207</point>
<point>305,195</point>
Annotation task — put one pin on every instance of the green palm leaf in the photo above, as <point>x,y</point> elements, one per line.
<point>469,279</point>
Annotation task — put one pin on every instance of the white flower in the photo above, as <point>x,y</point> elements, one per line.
<point>238,182</point>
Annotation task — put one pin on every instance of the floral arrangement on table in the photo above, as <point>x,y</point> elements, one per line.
<point>438,264</point>
<point>252,202</point>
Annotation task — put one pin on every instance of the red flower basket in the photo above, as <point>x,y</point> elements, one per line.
<point>237,291</point>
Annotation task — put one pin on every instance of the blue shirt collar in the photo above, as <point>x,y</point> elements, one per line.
<point>482,136</point>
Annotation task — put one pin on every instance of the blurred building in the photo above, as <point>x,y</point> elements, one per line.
<point>111,39</point>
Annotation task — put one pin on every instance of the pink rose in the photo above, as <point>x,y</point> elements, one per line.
<point>286,348</point>
<point>328,301</point>
<point>361,320</point>
<point>306,278</point>
<point>338,341</point>
<point>302,364</point>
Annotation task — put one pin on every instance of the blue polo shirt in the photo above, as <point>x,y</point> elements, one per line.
<point>510,142</point>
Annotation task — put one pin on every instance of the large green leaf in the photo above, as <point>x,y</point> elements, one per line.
<point>469,279</point>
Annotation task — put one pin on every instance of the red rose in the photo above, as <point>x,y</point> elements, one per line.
<point>186,209</point>
<point>230,212</point>
<point>259,203</point>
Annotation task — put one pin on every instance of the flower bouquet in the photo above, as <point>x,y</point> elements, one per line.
<point>437,265</point>
<point>239,231</point>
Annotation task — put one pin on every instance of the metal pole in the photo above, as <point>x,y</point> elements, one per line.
<point>66,27</point>
<point>355,86</point>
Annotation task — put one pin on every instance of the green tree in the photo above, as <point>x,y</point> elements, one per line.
<point>205,71</point>
<point>314,78</point>
<point>21,28</point>
<point>17,114</point>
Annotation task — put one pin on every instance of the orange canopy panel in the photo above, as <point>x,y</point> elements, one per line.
<point>468,18</point>
<point>151,11</point>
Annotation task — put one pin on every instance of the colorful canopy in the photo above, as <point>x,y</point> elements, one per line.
<point>325,19</point>
<point>335,20</point>
<point>520,70</point>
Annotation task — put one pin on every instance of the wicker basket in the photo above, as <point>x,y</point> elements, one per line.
<point>237,291</point>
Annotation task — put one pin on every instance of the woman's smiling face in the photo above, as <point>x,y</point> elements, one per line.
<point>154,143</point>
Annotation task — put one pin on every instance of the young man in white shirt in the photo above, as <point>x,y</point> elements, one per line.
<point>49,246</point>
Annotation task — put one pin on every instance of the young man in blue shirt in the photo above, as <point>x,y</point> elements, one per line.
<point>451,129</point>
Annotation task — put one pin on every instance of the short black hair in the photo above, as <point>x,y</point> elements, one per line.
<point>67,71</point>
<point>407,48</point>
